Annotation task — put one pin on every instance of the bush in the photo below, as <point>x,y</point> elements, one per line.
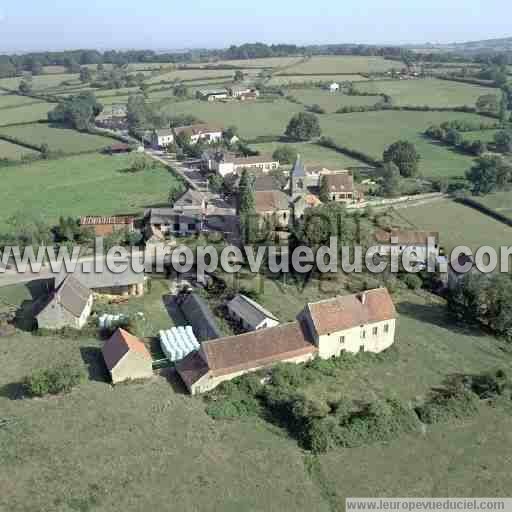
<point>61,379</point>
<point>412,281</point>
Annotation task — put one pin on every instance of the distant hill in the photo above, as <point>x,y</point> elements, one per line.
<point>504,43</point>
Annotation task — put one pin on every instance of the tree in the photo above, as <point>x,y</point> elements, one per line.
<point>285,154</point>
<point>229,133</point>
<point>504,115</point>
<point>303,126</point>
<point>246,207</point>
<point>239,76</point>
<point>85,74</point>
<point>25,87</point>
<point>488,103</point>
<point>404,155</point>
<point>503,141</point>
<point>324,190</point>
<point>390,180</point>
<point>181,91</point>
<point>7,68</point>
<point>489,173</point>
<point>77,111</point>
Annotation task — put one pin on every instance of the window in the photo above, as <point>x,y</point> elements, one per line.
<point>191,227</point>
<point>361,348</point>
<point>375,331</point>
<point>363,334</point>
<point>176,227</point>
<point>342,340</point>
<point>386,328</point>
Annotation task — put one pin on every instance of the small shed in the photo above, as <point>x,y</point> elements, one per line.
<point>249,314</point>
<point>126,357</point>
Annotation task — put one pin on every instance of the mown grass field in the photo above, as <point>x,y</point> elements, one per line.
<point>58,139</point>
<point>26,113</point>
<point>13,100</point>
<point>13,151</point>
<point>431,92</point>
<point>372,132</point>
<point>457,224</point>
<point>344,64</point>
<point>331,102</point>
<point>305,79</point>
<point>83,185</point>
<point>40,82</point>
<point>312,154</point>
<point>483,135</point>
<point>271,62</point>
<point>191,74</point>
<point>253,118</point>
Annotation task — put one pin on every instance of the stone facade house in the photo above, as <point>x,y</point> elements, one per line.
<point>162,138</point>
<point>197,132</point>
<point>126,357</point>
<point>225,163</point>
<point>69,305</point>
<point>250,315</point>
<point>340,186</point>
<point>360,322</point>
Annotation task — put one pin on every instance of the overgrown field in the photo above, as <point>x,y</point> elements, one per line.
<point>372,132</point>
<point>82,185</point>
<point>431,92</point>
<point>58,139</point>
<point>457,224</point>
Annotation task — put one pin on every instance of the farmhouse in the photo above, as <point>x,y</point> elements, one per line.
<point>104,226</point>
<point>244,93</point>
<point>162,138</point>
<point>225,164</point>
<point>398,240</point>
<point>174,221</point>
<point>273,205</point>
<point>106,282</point>
<point>212,94</point>
<point>69,305</point>
<point>197,132</point>
<point>360,322</point>
<point>126,357</point>
<point>250,315</point>
<point>340,185</point>
<point>191,200</point>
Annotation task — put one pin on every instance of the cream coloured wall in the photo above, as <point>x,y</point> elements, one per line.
<point>132,366</point>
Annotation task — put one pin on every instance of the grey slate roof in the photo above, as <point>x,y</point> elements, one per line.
<point>190,198</point>
<point>198,314</point>
<point>171,215</point>
<point>73,295</point>
<point>105,279</point>
<point>299,170</point>
<point>249,310</point>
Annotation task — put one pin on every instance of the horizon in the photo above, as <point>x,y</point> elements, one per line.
<point>34,27</point>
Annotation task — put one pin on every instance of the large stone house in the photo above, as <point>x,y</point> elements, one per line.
<point>197,132</point>
<point>227,163</point>
<point>360,322</point>
<point>340,186</point>
<point>69,305</point>
<point>162,138</point>
<point>273,205</point>
<point>250,315</point>
<point>398,240</point>
<point>126,357</point>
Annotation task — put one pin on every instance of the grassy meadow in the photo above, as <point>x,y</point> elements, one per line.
<point>501,202</point>
<point>58,139</point>
<point>290,79</point>
<point>430,92</point>
<point>83,185</point>
<point>25,113</point>
<point>372,132</point>
<point>13,100</point>
<point>40,82</point>
<point>331,102</point>
<point>13,151</point>
<point>343,65</point>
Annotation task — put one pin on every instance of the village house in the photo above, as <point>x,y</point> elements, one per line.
<point>340,185</point>
<point>273,205</point>
<point>69,305</point>
<point>250,315</point>
<point>224,164</point>
<point>212,94</point>
<point>398,240</point>
<point>243,92</point>
<point>105,226</point>
<point>174,222</point>
<point>106,282</point>
<point>191,200</point>
<point>162,138</point>
<point>361,322</point>
<point>126,357</point>
<point>197,132</point>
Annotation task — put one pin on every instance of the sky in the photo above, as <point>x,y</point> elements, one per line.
<point>167,24</point>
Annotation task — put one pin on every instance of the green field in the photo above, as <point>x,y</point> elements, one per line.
<point>312,154</point>
<point>13,100</point>
<point>85,185</point>
<point>13,151</point>
<point>271,62</point>
<point>25,114</point>
<point>483,135</point>
<point>431,92</point>
<point>253,118</point>
<point>372,132</point>
<point>457,224</point>
<point>306,79</point>
<point>344,64</point>
<point>58,139</point>
<point>501,202</point>
<point>331,102</point>
<point>191,74</point>
<point>40,82</point>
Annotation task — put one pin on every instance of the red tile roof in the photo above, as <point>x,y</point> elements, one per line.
<point>339,182</point>
<point>333,315</point>
<point>191,368</point>
<point>121,342</point>
<point>257,349</point>
<point>270,201</point>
